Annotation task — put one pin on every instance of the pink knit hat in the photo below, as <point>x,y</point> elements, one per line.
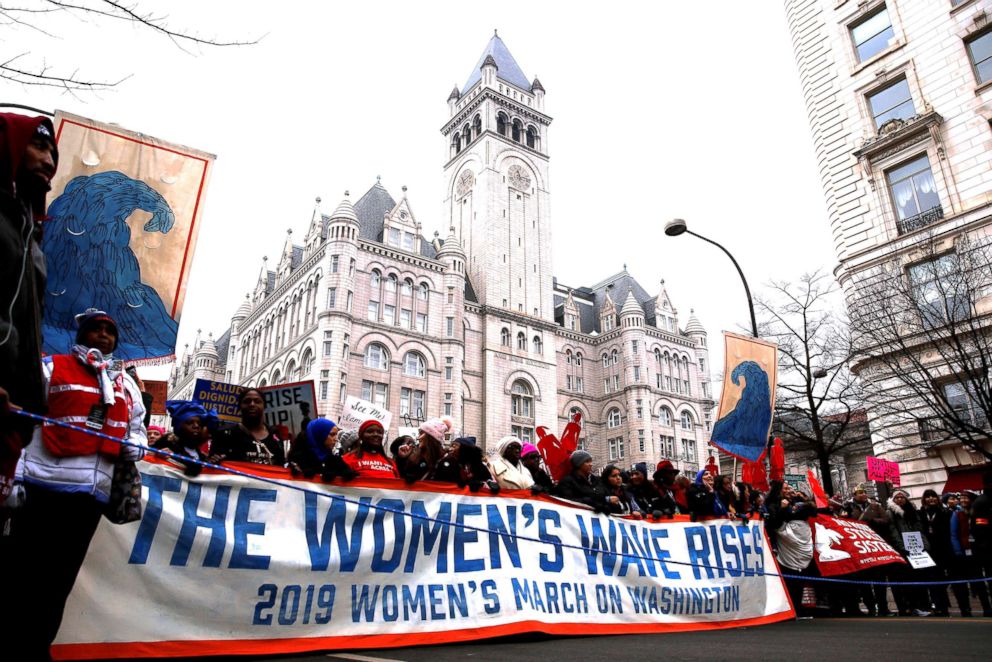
<point>528,449</point>
<point>434,428</point>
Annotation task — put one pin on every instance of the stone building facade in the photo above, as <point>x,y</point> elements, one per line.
<point>899,94</point>
<point>472,324</point>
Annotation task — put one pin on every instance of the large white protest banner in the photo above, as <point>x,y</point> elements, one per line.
<point>228,565</point>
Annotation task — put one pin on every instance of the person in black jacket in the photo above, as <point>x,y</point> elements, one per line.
<point>463,466</point>
<point>612,480</point>
<point>313,452</point>
<point>702,496</point>
<point>251,440</point>
<point>531,457</point>
<point>936,521</point>
<point>644,492</point>
<point>582,487</point>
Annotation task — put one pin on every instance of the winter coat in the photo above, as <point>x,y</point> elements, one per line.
<point>645,495</point>
<point>904,520</point>
<point>871,513</point>
<point>937,529</point>
<point>981,528</point>
<point>465,469</point>
<point>542,480</point>
<point>235,444</point>
<point>960,532</point>
<point>626,504</point>
<point>87,474</point>
<point>510,476</point>
<point>588,491</point>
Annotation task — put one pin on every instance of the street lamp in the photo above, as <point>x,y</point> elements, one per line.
<point>677,226</point>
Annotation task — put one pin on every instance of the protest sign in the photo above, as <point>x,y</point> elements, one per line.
<point>221,397</point>
<point>883,470</point>
<point>842,546</point>
<point>797,482</point>
<point>748,397</point>
<point>356,411</point>
<point>285,404</point>
<point>160,393</point>
<point>916,550</point>
<point>224,564</point>
<point>124,213</point>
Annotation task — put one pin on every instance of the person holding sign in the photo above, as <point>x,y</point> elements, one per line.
<point>251,440</point>
<point>369,459</point>
<point>906,537</point>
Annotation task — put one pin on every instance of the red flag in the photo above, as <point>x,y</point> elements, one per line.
<point>554,455</point>
<point>842,546</point>
<point>776,465</point>
<point>818,493</point>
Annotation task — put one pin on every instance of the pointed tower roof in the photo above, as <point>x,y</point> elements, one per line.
<point>536,85</point>
<point>451,244</point>
<point>507,68</point>
<point>693,326</point>
<point>345,210</point>
<point>208,346</point>
<point>244,310</point>
<point>631,307</point>
<point>455,94</point>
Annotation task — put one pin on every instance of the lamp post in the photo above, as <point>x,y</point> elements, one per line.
<point>677,226</point>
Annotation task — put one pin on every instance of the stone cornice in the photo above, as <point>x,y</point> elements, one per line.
<point>489,93</point>
<point>896,135</point>
<point>386,251</point>
<point>520,318</point>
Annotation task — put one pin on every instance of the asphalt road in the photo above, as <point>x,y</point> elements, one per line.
<point>800,641</point>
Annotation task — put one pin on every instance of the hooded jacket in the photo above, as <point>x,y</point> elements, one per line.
<point>509,476</point>
<point>904,520</point>
<point>22,275</point>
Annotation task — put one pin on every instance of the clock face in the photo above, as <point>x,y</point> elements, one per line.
<point>518,178</point>
<point>466,181</point>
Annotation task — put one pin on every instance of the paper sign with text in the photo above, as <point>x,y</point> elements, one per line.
<point>356,411</point>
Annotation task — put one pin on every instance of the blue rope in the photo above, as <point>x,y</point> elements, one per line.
<point>515,536</point>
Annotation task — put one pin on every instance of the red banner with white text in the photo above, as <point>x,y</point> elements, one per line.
<point>842,546</point>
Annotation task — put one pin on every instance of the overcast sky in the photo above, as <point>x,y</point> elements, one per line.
<point>661,109</point>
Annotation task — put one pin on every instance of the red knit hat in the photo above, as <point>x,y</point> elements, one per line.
<point>369,423</point>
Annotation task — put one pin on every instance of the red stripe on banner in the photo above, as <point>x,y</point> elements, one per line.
<point>399,640</point>
<point>189,238</point>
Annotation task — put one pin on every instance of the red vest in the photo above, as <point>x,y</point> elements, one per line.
<point>73,391</point>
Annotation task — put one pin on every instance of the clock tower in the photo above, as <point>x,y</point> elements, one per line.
<point>496,175</point>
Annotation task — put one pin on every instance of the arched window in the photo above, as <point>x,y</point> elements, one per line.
<point>578,358</point>
<point>414,365</point>
<point>686,420</point>
<point>522,400</point>
<point>467,134</point>
<point>376,357</point>
<point>407,290</point>
<point>522,341</point>
<point>538,345</point>
<point>306,363</point>
<point>606,360</point>
<point>262,383</point>
<point>456,142</point>
<point>614,419</point>
<point>291,371</point>
<point>477,126</point>
<point>665,417</point>
<point>568,357</point>
<point>504,337</point>
<point>424,290</point>
<point>616,357</point>
<point>375,279</point>
<point>277,377</point>
<point>516,131</point>
<point>501,124</point>
<point>391,283</point>
<point>531,137</point>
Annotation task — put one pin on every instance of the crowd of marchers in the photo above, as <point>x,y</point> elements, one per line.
<point>954,527</point>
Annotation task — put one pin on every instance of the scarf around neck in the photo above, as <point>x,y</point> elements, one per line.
<point>106,368</point>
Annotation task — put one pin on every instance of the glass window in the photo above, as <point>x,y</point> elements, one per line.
<point>334,264</point>
<point>578,384</point>
<point>538,345</point>
<point>414,365</point>
<point>980,52</point>
<point>404,318</point>
<point>391,283</point>
<point>568,357</point>
<point>422,322</point>
<point>523,433</point>
<point>521,341</point>
<point>941,291</point>
<point>685,418</point>
<point>689,450</point>
<point>332,296</point>
<point>637,373</point>
<point>871,36</point>
<point>504,337</point>
<point>408,241</point>
<point>407,288</point>
<point>616,449</point>
<point>376,357</point>
<point>447,373</point>
<point>375,279</point>
<point>449,325</point>
<point>348,301</point>
<point>373,311</point>
<point>963,397</point>
<point>394,236</point>
<point>614,418</point>
<point>521,400</point>
<point>914,194</point>
<point>578,358</point>
<point>424,290</point>
<point>389,314</point>
<point>891,102</point>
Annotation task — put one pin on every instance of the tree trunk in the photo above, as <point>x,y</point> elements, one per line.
<point>825,478</point>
